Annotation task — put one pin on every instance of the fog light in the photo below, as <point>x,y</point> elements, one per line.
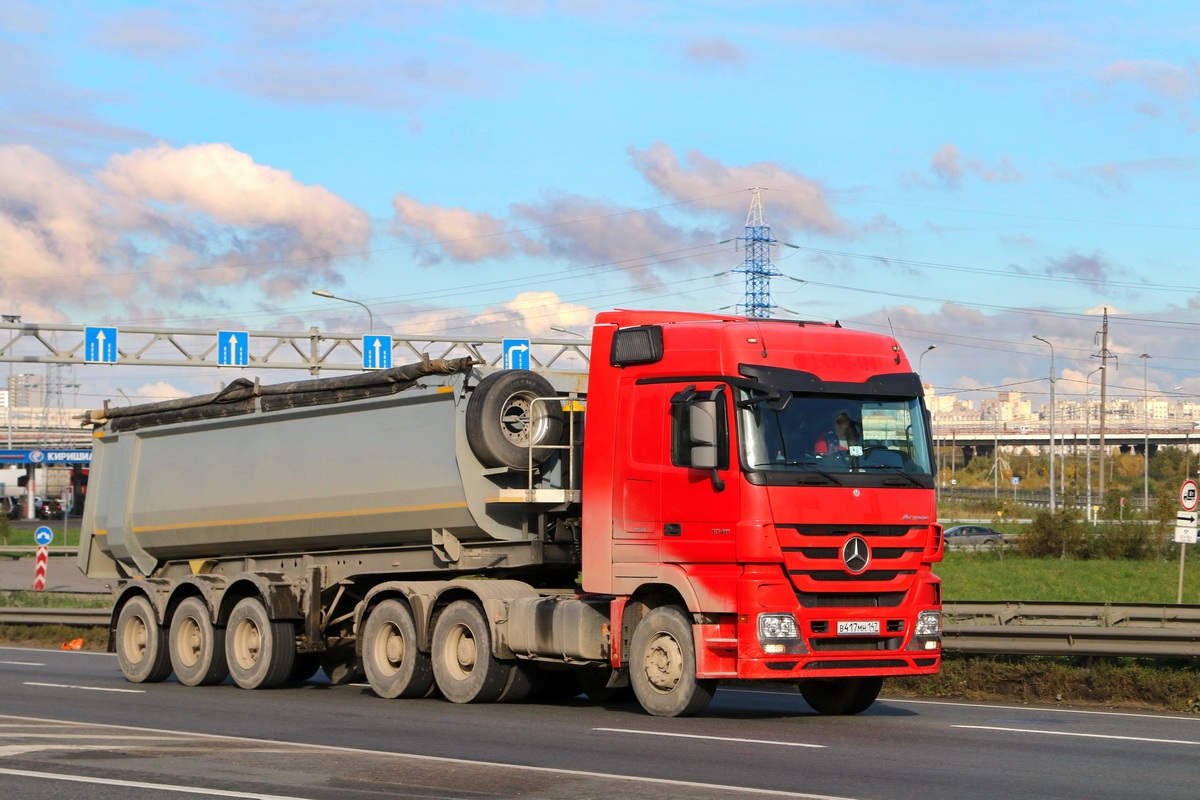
<point>929,623</point>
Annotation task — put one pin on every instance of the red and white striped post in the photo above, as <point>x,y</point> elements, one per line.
<point>43,536</point>
<point>39,573</point>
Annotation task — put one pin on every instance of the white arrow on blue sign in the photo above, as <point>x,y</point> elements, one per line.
<point>100,345</point>
<point>516,354</point>
<point>377,352</point>
<point>233,348</point>
<point>43,536</point>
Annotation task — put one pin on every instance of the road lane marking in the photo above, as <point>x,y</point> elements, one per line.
<point>1073,733</point>
<point>714,738</point>
<point>23,663</point>
<point>469,762</point>
<point>84,688</point>
<point>166,787</point>
<point>1038,709</point>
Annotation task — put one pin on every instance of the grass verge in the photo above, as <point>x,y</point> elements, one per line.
<point>1159,684</point>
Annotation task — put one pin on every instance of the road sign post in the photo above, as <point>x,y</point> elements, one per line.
<point>1185,526</point>
<point>43,536</point>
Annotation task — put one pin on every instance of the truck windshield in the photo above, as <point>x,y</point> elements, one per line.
<point>837,434</point>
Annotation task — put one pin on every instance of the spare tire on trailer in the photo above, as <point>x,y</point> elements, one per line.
<point>503,422</point>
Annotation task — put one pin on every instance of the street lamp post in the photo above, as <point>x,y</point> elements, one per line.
<point>13,318</point>
<point>332,296</point>
<point>1052,498</point>
<point>1087,399</point>
<point>1145,431</point>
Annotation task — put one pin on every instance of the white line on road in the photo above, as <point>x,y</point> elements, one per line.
<point>85,688</point>
<point>471,762</point>
<point>1072,733</point>
<point>714,738</point>
<point>1041,709</point>
<point>140,785</point>
<point>23,663</point>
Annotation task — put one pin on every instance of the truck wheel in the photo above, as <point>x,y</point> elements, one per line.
<point>304,667</point>
<point>841,696</point>
<point>394,665</point>
<point>503,422</point>
<point>463,664</point>
<point>662,666</point>
<point>260,652</point>
<point>141,644</point>
<point>197,648</point>
<point>341,666</point>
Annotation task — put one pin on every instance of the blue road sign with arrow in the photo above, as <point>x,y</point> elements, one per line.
<point>377,352</point>
<point>516,354</point>
<point>233,348</point>
<point>43,536</point>
<point>100,345</point>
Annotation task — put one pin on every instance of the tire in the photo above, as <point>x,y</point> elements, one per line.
<point>503,422</point>
<point>260,653</point>
<point>394,665</point>
<point>594,683</point>
<point>304,667</point>
<point>463,664</point>
<point>340,665</point>
<point>197,648</point>
<point>662,666</point>
<point>141,643</point>
<point>524,679</point>
<point>841,696</point>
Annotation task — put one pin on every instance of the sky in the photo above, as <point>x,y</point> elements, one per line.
<point>963,175</point>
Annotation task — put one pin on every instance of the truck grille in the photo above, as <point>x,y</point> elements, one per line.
<point>812,556</point>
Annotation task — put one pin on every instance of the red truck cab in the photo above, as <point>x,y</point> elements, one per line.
<point>773,478</point>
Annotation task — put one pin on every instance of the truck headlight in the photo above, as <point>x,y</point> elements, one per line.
<point>929,623</point>
<point>779,633</point>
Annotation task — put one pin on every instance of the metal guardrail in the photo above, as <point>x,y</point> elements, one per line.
<point>1081,629</point>
<point>1016,628</point>
<point>74,617</point>
<point>30,550</point>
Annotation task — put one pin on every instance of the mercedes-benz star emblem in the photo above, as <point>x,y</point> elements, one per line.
<point>856,554</point>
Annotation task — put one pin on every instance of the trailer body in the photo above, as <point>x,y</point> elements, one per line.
<point>717,498</point>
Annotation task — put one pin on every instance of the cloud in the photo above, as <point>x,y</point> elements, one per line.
<point>1172,81</point>
<point>161,225</point>
<point>951,167</point>
<point>461,234</point>
<point>714,51</point>
<point>705,183</point>
<point>1118,174</point>
<point>896,42</point>
<point>152,34</point>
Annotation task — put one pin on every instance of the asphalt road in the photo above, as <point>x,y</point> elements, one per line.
<point>70,725</point>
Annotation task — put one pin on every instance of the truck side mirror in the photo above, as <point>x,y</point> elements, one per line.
<point>702,421</point>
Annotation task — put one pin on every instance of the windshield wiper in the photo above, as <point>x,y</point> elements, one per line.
<point>808,465</point>
<point>894,469</point>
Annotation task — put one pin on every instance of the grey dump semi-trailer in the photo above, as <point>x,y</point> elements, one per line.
<point>253,531</point>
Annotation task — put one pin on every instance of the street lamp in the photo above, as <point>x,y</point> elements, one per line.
<point>11,318</point>
<point>332,296</point>
<point>921,359</point>
<point>122,393</point>
<point>564,330</point>
<point>1087,398</point>
<point>1146,431</point>
<point>1047,341</point>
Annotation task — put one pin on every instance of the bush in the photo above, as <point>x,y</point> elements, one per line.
<point>1128,540</point>
<point>1053,534</point>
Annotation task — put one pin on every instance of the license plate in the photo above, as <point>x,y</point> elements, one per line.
<point>856,627</point>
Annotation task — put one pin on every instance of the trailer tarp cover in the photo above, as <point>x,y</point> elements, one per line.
<point>239,397</point>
